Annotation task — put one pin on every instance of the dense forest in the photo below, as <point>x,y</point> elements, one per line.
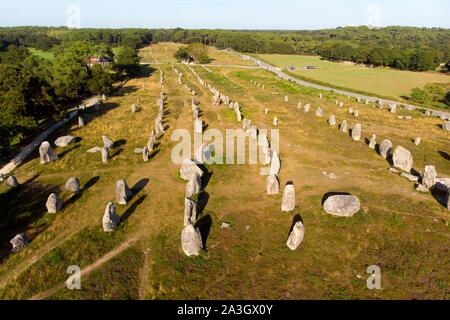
<point>34,90</point>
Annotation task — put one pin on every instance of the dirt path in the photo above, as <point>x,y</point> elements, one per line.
<point>98,263</point>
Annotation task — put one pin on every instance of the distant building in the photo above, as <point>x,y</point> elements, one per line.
<point>290,68</point>
<point>100,61</point>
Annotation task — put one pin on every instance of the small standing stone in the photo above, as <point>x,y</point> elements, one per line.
<point>12,181</point>
<point>123,193</point>
<point>429,177</point>
<point>275,121</point>
<point>275,165</point>
<point>417,141</point>
<point>193,186</point>
<point>272,185</point>
<point>145,154</point>
<point>343,127</point>
<point>296,236</point>
<point>53,203</point>
<point>46,153</point>
<point>19,242</point>
<point>107,142</point>
<point>72,185</point>
<point>356,132</point>
<point>385,148</point>
<point>110,219</point>
<point>190,211</point>
<point>188,169</point>
<point>332,120</point>
<point>80,122</point>
<point>373,141</point>
<point>105,155</point>
<point>319,112</point>
<point>288,203</point>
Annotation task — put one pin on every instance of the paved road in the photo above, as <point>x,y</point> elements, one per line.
<point>372,99</point>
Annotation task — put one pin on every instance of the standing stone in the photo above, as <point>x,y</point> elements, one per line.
<point>53,203</point>
<point>110,219</point>
<point>46,153</point>
<point>343,127</point>
<point>350,110</point>
<point>296,236</point>
<point>193,186</point>
<point>299,106</point>
<point>151,141</point>
<point>107,142</point>
<point>64,141</point>
<point>402,159</point>
<point>307,107</point>
<point>429,177</point>
<point>356,132</point>
<point>191,241</point>
<point>12,181</point>
<point>373,141</point>
<point>275,165</point>
<point>288,203</point>
<point>94,150</point>
<point>272,185</point>
<point>342,205</point>
<point>319,112</point>
<point>417,141</point>
<point>145,154</point>
<point>332,120</point>
<point>188,169</point>
<point>72,185</point>
<point>286,99</point>
<point>80,122</point>
<point>19,242</point>
<point>385,148</point>
<point>134,108</point>
<point>190,211</point>
<point>123,193</point>
<point>275,121</point>
<point>394,108</point>
<point>266,111</point>
<point>356,113</point>
<point>105,155</point>
<point>446,126</point>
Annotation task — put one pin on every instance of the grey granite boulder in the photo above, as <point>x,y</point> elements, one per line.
<point>72,185</point>
<point>53,203</point>
<point>296,236</point>
<point>342,205</point>
<point>19,242</point>
<point>46,153</point>
<point>191,240</point>
<point>402,159</point>
<point>64,141</point>
<point>123,193</point>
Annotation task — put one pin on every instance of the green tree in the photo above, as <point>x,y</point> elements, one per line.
<point>420,96</point>
<point>70,69</point>
<point>100,81</point>
<point>127,60</point>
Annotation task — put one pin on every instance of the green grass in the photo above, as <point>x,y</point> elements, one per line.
<point>379,81</point>
<point>47,55</point>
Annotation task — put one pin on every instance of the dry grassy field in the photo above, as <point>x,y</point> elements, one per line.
<point>399,229</point>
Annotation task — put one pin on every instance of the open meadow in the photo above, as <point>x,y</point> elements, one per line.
<point>403,231</point>
<point>385,82</point>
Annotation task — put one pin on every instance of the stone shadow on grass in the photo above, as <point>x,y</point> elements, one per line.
<point>132,208</point>
<point>330,194</point>
<point>204,225</point>
<point>444,155</point>
<point>141,184</point>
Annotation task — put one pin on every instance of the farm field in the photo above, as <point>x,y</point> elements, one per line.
<point>403,231</point>
<point>384,82</point>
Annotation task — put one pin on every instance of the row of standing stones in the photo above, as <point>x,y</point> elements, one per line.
<point>54,204</point>
<point>338,205</point>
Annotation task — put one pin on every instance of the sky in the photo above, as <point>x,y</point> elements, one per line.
<point>225,14</point>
